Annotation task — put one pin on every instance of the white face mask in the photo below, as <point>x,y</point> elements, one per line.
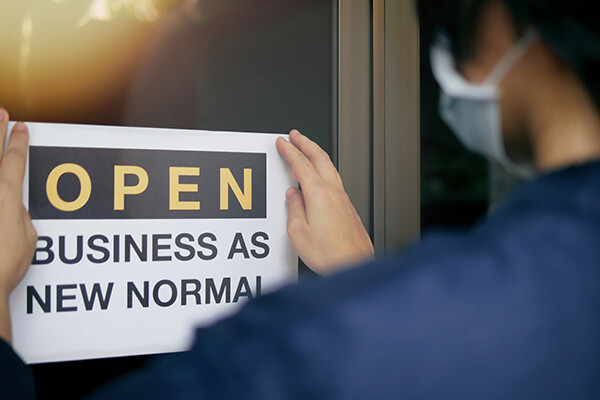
<point>473,110</point>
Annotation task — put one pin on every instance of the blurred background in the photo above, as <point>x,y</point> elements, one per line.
<point>247,65</point>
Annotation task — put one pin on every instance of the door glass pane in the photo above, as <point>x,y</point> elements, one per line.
<point>245,65</point>
<point>454,182</point>
<point>242,65</point>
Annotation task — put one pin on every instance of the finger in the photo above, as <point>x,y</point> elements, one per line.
<point>3,129</point>
<point>12,169</point>
<point>296,212</point>
<point>30,230</point>
<point>319,158</point>
<point>305,172</point>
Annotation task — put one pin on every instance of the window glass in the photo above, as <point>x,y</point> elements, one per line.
<point>242,65</point>
<point>454,182</point>
<point>245,65</point>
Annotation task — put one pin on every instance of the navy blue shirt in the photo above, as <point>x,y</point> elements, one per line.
<point>16,379</point>
<point>507,309</point>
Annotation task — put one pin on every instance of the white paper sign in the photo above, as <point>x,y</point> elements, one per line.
<point>144,234</point>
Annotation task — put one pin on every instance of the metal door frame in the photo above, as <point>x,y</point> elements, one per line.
<point>376,140</point>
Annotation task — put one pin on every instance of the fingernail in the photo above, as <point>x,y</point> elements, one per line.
<point>3,114</point>
<point>20,126</point>
<point>295,131</point>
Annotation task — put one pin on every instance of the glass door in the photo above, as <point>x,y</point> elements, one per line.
<point>233,65</point>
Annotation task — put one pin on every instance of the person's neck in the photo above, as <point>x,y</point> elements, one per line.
<point>564,125</point>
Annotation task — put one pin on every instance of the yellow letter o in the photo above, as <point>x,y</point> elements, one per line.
<point>52,187</point>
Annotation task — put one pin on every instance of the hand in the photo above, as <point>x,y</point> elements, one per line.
<point>17,234</point>
<point>322,223</point>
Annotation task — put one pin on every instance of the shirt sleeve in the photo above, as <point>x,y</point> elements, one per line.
<point>16,378</point>
<point>263,352</point>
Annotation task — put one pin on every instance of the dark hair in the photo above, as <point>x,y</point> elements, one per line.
<point>570,27</point>
<point>455,18</point>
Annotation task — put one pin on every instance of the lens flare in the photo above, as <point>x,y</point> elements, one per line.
<point>67,60</point>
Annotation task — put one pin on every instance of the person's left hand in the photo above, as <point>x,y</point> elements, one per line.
<point>323,225</point>
<point>17,234</point>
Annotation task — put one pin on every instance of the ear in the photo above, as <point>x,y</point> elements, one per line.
<point>495,33</point>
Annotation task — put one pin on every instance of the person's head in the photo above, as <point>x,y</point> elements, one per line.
<point>560,66</point>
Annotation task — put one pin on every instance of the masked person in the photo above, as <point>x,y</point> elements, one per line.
<point>508,309</point>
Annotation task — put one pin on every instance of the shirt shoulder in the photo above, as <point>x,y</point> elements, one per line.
<point>508,309</point>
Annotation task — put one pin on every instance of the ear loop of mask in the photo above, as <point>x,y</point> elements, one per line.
<point>506,63</point>
<point>512,56</point>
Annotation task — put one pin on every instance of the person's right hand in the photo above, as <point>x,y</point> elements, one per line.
<point>17,234</point>
<point>322,223</point>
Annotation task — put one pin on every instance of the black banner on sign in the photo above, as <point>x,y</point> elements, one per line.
<point>91,183</point>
